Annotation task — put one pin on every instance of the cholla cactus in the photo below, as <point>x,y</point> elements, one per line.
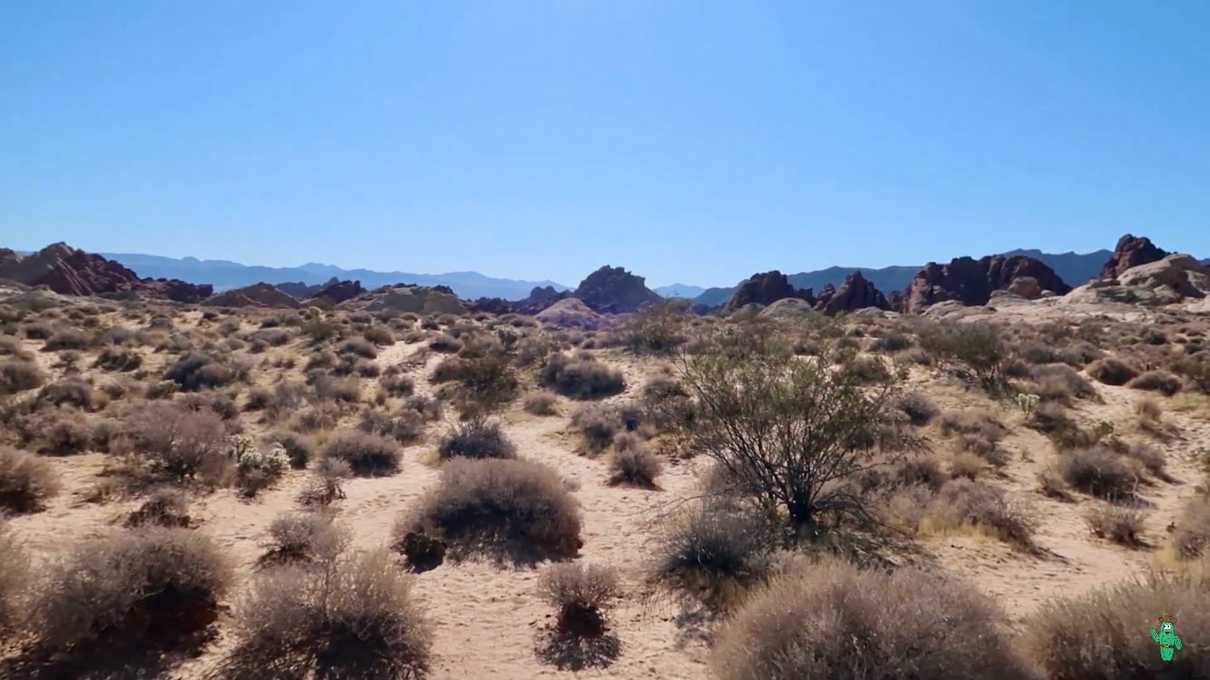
<point>1028,402</point>
<point>248,458</point>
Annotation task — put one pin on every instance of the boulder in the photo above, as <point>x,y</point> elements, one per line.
<point>409,298</point>
<point>787,308</point>
<point>613,290</point>
<point>855,293</point>
<point>300,290</point>
<point>540,298</point>
<point>1026,287</point>
<point>1179,273</point>
<point>257,295</point>
<point>336,292</point>
<point>765,289</point>
<point>571,313</point>
<point>1131,251</point>
<point>971,282</point>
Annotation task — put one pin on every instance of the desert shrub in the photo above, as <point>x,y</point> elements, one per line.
<point>1099,472</point>
<point>367,455</point>
<point>359,347</point>
<point>17,375</point>
<point>163,508</point>
<point>65,434</point>
<point>26,481</point>
<point>598,425</point>
<point>1120,525</point>
<point>320,331</point>
<point>893,341</point>
<point>70,391</point>
<point>985,507</point>
<point>631,462</point>
<point>305,537</point>
<point>1195,369</point>
<point>325,485</point>
<point>299,448</point>
<point>397,385</point>
<point>541,404</point>
<point>791,432</point>
<point>38,331</point>
<point>977,346</point>
<point>582,594</point>
<point>428,407</point>
<point>476,438</point>
<point>922,471</point>
<point>581,377</point>
<point>445,343</point>
<point>256,467</point>
<point>484,383</point>
<point>1060,382</point>
<point>919,408</point>
<point>1149,457</point>
<point>16,574</point>
<point>977,432</point>
<point>113,359</point>
<point>134,589</point>
<point>502,508</point>
<point>1157,381</point>
<point>965,465</point>
<point>1109,627</point>
<point>868,369</point>
<point>405,427</point>
<point>1192,534</point>
<point>366,369</point>
<point>830,620</point>
<point>656,329</point>
<point>1148,409</point>
<point>711,552</point>
<point>328,388</point>
<point>196,371</point>
<point>351,617</point>
<point>379,336</point>
<point>181,443</point>
<point>1112,371</point>
<point>66,339</point>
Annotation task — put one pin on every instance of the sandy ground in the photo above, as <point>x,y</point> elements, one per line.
<point>487,618</point>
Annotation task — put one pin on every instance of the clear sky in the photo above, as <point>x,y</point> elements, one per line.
<point>688,141</point>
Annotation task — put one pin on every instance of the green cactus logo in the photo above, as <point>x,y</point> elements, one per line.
<point>1166,637</point>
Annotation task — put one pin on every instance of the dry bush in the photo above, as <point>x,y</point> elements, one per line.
<point>542,404</point>
<point>445,343</point>
<point>965,465</point>
<point>70,391</point>
<point>406,426</point>
<point>1151,458</point>
<point>582,594</point>
<point>581,377</point>
<point>1120,525</point>
<point>868,369</point>
<point>367,455</point>
<point>830,620</point>
<point>512,509</point>
<point>711,553</point>
<point>379,336</point>
<point>26,481</point>
<point>1191,537</point>
<point>113,359</point>
<point>359,347</point>
<point>1099,472</point>
<point>923,471</point>
<point>67,338</point>
<point>65,433</point>
<point>136,590</point>
<point>163,508</point>
<point>16,575</point>
<point>598,424</point>
<point>1104,633</point>
<point>977,432</point>
<point>352,617</point>
<point>1157,381</point>
<point>300,449</point>
<point>919,409</point>
<point>655,329</point>
<point>1195,369</point>
<point>977,346</point>
<point>631,462</point>
<point>17,375</point>
<point>1112,371</point>
<point>484,383</point>
<point>962,502</point>
<point>397,385</point>
<point>38,331</point>
<point>305,537</point>
<point>197,371</point>
<point>327,388</point>
<point>181,443</point>
<point>476,438</point>
<point>1060,382</point>
<point>325,486</point>
<point>1051,485</point>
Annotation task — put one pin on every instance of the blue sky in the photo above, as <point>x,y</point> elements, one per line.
<point>688,141</point>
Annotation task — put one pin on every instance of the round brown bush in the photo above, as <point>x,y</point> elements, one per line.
<point>26,481</point>
<point>180,442</point>
<point>1108,630</point>
<point>17,376</point>
<point>147,588</point>
<point>712,552</point>
<point>1157,381</point>
<point>196,371</point>
<point>1112,371</point>
<point>15,577</point>
<point>541,404</point>
<point>631,462</point>
<point>581,377</point>
<point>501,508</point>
<point>476,438</point>
<point>367,455</point>
<point>582,594</point>
<point>354,617</point>
<point>830,620</point>
<point>1099,472</point>
<point>71,391</point>
<point>919,408</point>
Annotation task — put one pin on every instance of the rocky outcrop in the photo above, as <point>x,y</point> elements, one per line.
<point>336,292</point>
<point>765,289</point>
<point>1174,278</point>
<point>409,298</point>
<point>71,271</point>
<point>301,290</point>
<point>855,293</point>
<point>971,282</point>
<point>540,298</point>
<point>1026,287</point>
<point>256,295</point>
<point>1131,251</point>
<point>571,313</point>
<point>613,290</point>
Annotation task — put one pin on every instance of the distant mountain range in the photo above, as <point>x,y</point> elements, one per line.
<point>224,275</point>
<point>1074,268</point>
<point>680,290</point>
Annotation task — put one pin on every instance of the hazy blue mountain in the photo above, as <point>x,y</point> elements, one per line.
<point>223,274</point>
<point>680,290</point>
<point>1076,269</point>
